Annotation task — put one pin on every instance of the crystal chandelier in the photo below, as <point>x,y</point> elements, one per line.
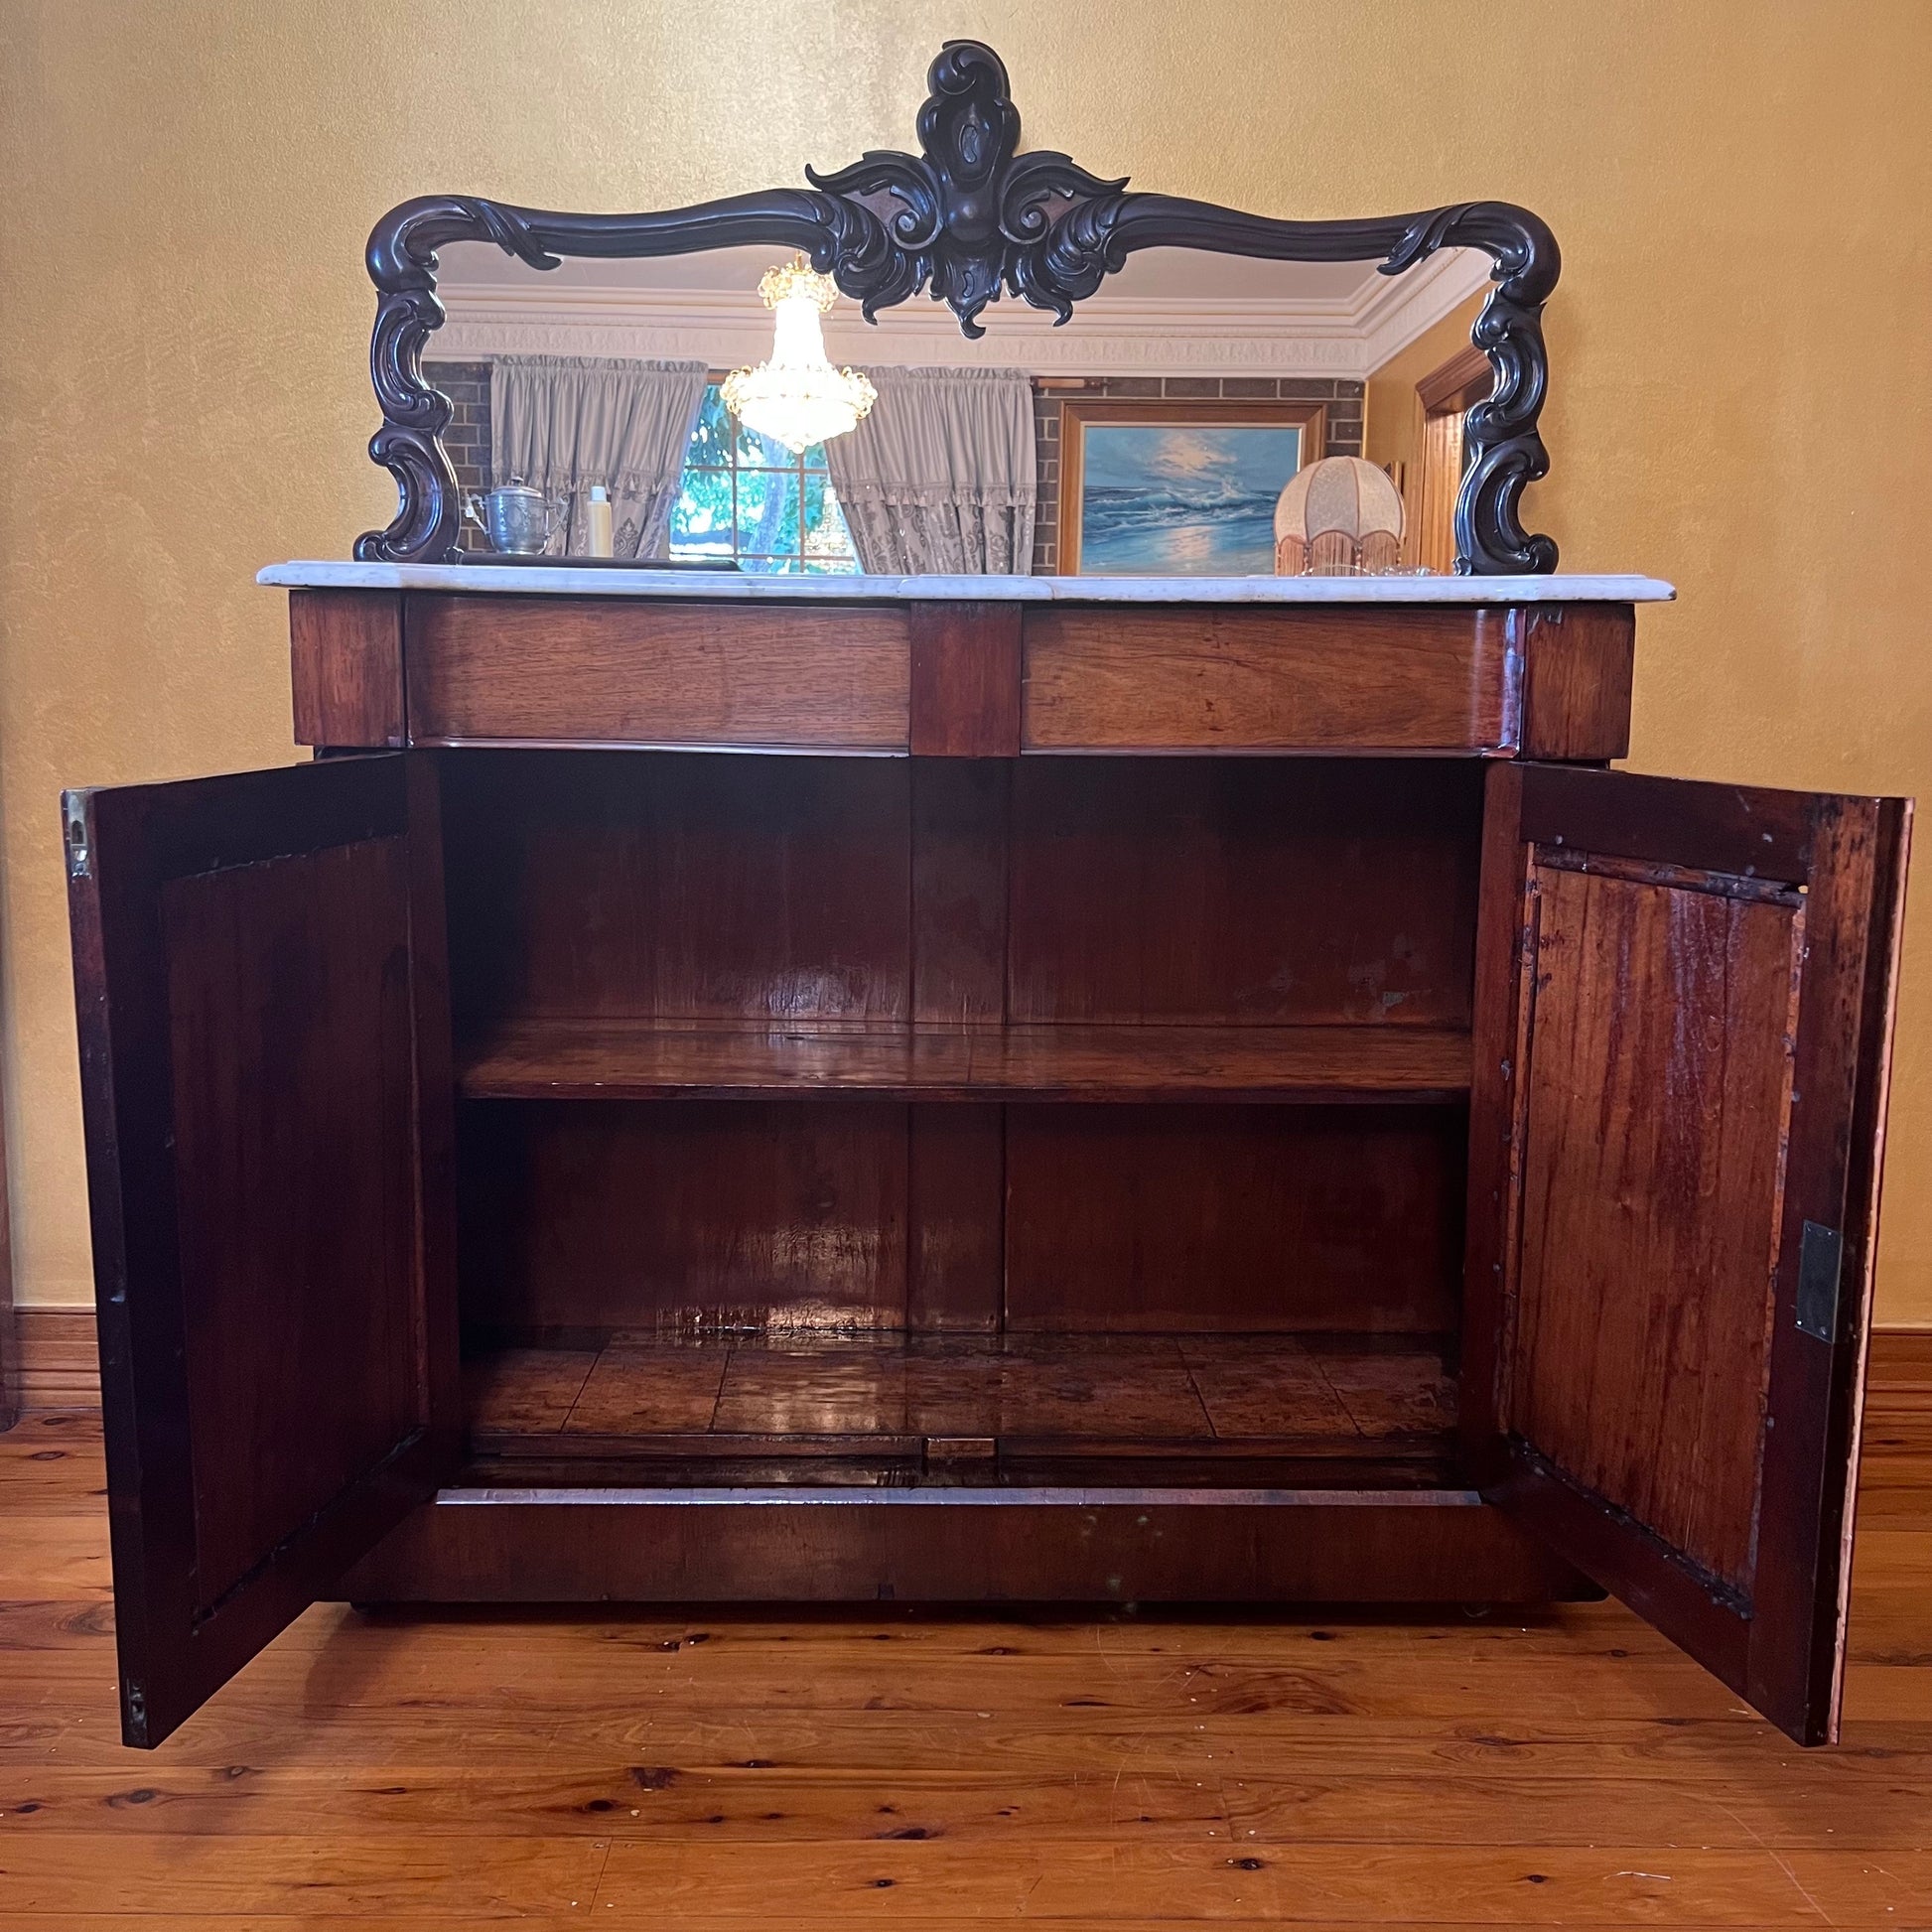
<point>798,398</point>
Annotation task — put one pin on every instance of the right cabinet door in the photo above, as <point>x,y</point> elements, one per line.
<point>1682,1018</point>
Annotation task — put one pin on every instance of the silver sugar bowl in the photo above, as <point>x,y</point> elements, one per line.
<point>518,519</point>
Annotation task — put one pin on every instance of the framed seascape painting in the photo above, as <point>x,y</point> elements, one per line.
<point>1177,489</point>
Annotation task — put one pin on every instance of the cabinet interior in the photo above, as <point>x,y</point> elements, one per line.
<point>1015,1121</point>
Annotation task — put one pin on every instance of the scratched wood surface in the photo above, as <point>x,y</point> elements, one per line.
<point>731,1771</point>
<point>1665,1172</point>
<point>1190,1390</point>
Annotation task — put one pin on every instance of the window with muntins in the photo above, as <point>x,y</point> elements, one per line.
<point>747,497</point>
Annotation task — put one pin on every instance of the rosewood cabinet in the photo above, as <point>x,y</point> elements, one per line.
<point>724,1091</point>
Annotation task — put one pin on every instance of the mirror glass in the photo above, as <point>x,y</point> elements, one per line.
<point>1152,435</point>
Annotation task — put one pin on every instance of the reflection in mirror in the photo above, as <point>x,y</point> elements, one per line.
<point>1153,434</point>
<point>746,498</point>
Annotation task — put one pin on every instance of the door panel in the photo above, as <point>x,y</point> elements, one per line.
<point>1684,1003</point>
<point>1652,1399</point>
<point>259,969</point>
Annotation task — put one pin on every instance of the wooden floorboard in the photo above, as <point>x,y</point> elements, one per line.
<point>943,1772</point>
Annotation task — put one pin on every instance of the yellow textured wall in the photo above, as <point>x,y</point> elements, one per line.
<point>1741,398</point>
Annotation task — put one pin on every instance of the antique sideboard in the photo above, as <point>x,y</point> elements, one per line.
<point>1007,1089</point>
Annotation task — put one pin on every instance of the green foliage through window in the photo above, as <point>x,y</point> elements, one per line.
<point>748,497</point>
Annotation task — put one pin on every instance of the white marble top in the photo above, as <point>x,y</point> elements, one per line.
<point>561,581</point>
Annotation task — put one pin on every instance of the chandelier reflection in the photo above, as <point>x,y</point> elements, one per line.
<point>798,398</point>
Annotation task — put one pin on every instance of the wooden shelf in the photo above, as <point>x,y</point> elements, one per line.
<point>807,1403</point>
<point>616,1060</point>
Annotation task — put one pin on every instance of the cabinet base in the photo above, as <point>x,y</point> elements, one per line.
<point>959,1545</point>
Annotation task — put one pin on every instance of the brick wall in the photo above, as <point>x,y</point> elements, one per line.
<point>467,384</point>
<point>1342,399</point>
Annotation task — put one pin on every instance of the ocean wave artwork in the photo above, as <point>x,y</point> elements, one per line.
<point>1182,499</point>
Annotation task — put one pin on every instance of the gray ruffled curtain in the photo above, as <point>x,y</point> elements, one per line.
<point>565,422</point>
<point>940,479</point>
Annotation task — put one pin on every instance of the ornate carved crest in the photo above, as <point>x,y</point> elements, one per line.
<point>969,214</point>
<point>966,218</point>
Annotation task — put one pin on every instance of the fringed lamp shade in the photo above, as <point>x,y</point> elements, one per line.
<point>1337,517</point>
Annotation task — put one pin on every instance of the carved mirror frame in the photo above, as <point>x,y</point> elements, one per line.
<point>965,218</point>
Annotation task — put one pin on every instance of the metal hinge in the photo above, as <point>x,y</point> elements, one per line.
<point>1821,1259</point>
<point>80,834</point>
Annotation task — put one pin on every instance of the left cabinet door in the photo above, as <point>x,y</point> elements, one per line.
<point>259,968</point>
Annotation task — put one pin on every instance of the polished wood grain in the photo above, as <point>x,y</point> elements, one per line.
<point>1269,1386</point>
<point>1841,1059</point>
<point>948,679</point>
<point>643,1213</point>
<point>1493,1219</point>
<point>1147,677</point>
<point>1098,1389</point>
<point>1044,1415</point>
<point>1679,1063</point>
<point>587,883</point>
<point>1233,1218</point>
<point>586,1059</point>
<point>1579,662</point>
<point>656,926</point>
<point>1125,1215</point>
<point>1898,1422</point>
<point>634,1390</point>
<point>961,840</point>
<point>346,668</point>
<point>524,1391</point>
<point>439,1769</point>
<point>965,698</point>
<point>266,1095</point>
<point>1389,1393</point>
<point>1244,892</point>
<point>640,671</point>
<point>1668,1435</point>
<point>1737,831</point>
<point>955,1209</point>
<point>970,893</point>
<point>1080,1544</point>
<point>269,1082</point>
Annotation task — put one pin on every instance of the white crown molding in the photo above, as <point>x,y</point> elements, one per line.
<point>1110,335</point>
<point>1399,308</point>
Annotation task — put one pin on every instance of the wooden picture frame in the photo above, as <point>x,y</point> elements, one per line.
<point>969,217</point>
<point>1079,415</point>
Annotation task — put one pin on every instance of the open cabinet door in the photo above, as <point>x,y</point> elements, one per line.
<point>264,1036</point>
<point>1683,1018</point>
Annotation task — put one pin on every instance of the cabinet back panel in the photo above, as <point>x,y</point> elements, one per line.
<point>643,885</point>
<point>666,1215</point>
<point>1264,891</point>
<point>681,885</point>
<point>679,1214</point>
<point>1236,1219</point>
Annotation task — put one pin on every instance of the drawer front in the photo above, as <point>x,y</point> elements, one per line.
<point>1349,679</point>
<point>627,671</point>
